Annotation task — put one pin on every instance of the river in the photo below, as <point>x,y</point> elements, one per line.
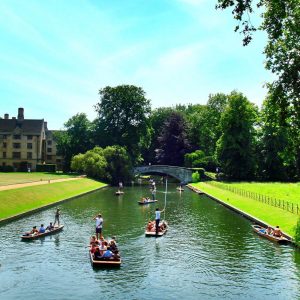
<point>209,252</point>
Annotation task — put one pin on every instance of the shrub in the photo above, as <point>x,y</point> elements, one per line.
<point>297,233</point>
<point>23,166</point>
<point>6,169</point>
<point>46,168</point>
<point>196,177</point>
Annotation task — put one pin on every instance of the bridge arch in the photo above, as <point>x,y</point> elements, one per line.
<point>184,175</point>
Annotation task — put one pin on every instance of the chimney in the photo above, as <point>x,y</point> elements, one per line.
<point>13,118</point>
<point>45,125</point>
<point>6,116</point>
<point>20,113</point>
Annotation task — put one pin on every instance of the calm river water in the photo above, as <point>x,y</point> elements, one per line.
<point>209,252</point>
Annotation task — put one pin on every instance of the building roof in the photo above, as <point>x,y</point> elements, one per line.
<point>27,126</point>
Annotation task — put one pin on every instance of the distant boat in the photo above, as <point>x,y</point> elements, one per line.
<point>39,235</point>
<point>119,193</point>
<point>262,232</point>
<point>143,202</point>
<point>180,189</point>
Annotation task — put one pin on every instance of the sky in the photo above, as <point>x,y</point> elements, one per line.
<point>55,55</point>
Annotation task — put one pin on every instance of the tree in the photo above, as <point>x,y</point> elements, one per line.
<point>204,123</point>
<point>123,118</point>
<point>173,143</point>
<point>77,138</point>
<point>119,166</point>
<point>157,119</point>
<point>235,147</point>
<point>280,20</point>
<point>92,163</point>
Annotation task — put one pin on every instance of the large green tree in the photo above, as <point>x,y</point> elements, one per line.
<point>235,148</point>
<point>281,22</point>
<point>123,118</point>
<point>173,142</point>
<point>76,138</point>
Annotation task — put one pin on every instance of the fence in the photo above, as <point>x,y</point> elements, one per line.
<point>283,204</point>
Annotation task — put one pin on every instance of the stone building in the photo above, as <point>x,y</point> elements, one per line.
<point>27,142</point>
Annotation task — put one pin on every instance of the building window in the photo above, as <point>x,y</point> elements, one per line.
<point>17,136</point>
<point>4,144</point>
<point>49,157</point>
<point>3,164</point>
<point>16,145</point>
<point>29,155</point>
<point>49,143</point>
<point>29,145</point>
<point>4,154</point>
<point>16,154</point>
<point>4,136</point>
<point>58,160</point>
<point>29,137</point>
<point>49,150</point>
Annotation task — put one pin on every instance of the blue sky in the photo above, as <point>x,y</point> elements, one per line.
<point>55,55</point>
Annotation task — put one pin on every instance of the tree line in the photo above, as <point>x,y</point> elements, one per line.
<point>228,132</point>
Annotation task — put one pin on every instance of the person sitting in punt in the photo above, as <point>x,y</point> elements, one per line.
<point>112,246</point>
<point>33,231</point>
<point>107,255</point>
<point>162,226</point>
<point>103,246</point>
<point>42,229</point>
<point>150,226</point>
<point>96,254</point>
<point>277,232</point>
<point>269,230</point>
<point>116,255</point>
<point>50,227</point>
<point>94,242</point>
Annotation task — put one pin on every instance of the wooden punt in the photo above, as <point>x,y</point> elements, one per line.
<point>146,202</point>
<point>119,193</point>
<point>39,235</point>
<point>160,233</point>
<point>262,232</point>
<point>104,263</point>
<point>180,189</point>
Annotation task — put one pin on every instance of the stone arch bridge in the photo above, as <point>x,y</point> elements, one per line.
<point>184,175</point>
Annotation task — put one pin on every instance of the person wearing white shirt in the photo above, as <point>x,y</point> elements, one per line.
<point>99,223</point>
<point>157,219</point>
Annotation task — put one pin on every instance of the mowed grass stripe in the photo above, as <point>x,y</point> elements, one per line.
<point>13,202</point>
<point>21,177</point>
<point>267,213</point>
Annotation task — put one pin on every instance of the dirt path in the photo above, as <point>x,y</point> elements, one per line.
<point>21,185</point>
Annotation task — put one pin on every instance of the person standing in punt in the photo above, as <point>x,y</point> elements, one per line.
<point>57,215</point>
<point>99,223</point>
<point>157,219</point>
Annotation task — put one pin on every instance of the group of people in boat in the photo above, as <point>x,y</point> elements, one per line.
<point>43,229</point>
<point>104,250</point>
<point>272,231</point>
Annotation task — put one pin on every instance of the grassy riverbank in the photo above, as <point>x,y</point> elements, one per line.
<point>17,201</point>
<point>22,177</point>
<point>267,213</point>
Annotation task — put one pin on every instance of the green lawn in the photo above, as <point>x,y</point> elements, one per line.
<point>20,177</point>
<point>267,213</point>
<point>284,191</point>
<point>13,202</point>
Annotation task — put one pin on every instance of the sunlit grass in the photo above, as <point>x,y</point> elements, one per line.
<point>267,213</point>
<point>13,202</point>
<point>23,177</point>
